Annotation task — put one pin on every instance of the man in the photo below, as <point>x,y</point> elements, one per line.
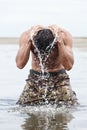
<point>52,55</point>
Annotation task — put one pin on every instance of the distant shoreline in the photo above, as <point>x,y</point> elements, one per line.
<point>77,41</point>
<point>9,40</point>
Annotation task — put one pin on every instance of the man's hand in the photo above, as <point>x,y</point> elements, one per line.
<point>65,37</point>
<point>57,32</point>
<point>33,31</point>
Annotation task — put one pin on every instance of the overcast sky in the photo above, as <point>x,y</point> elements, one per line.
<point>17,16</point>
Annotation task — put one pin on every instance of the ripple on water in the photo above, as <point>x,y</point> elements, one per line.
<point>6,103</point>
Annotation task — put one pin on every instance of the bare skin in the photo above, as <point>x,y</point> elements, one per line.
<point>60,57</point>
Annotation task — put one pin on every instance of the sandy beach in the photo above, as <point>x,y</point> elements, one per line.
<point>9,40</point>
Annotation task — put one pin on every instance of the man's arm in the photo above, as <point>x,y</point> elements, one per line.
<point>65,49</point>
<point>24,50</point>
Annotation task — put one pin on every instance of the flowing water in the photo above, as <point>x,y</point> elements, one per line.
<point>43,57</point>
<point>47,117</point>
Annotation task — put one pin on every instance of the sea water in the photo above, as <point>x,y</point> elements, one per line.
<point>47,117</point>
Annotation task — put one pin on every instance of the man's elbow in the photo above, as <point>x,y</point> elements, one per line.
<point>19,64</point>
<point>69,66</point>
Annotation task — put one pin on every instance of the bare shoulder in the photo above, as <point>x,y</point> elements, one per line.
<point>67,37</point>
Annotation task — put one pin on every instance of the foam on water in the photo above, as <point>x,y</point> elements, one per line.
<point>44,109</point>
<point>10,105</point>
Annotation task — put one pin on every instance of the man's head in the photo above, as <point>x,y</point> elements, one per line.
<point>43,40</point>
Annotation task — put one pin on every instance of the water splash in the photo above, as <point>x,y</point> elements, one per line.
<point>43,57</point>
<point>40,56</point>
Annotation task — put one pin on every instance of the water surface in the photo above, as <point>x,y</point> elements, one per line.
<point>12,81</point>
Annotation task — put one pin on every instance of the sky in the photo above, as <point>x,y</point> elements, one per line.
<point>17,16</point>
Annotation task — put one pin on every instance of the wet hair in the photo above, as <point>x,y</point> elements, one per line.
<point>43,40</point>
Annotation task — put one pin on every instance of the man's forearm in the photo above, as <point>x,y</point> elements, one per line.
<point>66,56</point>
